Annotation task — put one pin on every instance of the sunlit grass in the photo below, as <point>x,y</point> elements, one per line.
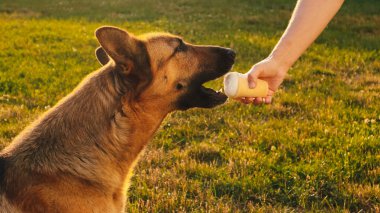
<point>315,148</point>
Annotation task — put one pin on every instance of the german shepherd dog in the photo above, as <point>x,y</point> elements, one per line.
<point>79,155</point>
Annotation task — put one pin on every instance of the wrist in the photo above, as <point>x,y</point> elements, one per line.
<point>281,65</point>
<point>285,54</point>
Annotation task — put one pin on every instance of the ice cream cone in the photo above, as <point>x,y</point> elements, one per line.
<point>236,86</point>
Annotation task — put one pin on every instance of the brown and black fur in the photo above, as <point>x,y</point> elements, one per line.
<point>79,155</point>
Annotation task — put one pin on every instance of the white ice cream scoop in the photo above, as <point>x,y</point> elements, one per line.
<point>236,86</point>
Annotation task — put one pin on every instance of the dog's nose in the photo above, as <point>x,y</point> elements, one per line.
<point>231,53</point>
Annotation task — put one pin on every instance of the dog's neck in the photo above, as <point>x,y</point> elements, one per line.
<point>88,133</point>
<point>135,126</point>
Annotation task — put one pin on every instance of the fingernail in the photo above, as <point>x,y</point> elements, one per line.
<point>252,85</point>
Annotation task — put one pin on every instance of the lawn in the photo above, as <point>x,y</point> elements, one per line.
<point>316,148</point>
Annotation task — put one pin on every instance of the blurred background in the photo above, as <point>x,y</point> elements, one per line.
<point>316,148</point>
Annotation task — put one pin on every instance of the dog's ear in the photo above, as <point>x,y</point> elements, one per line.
<point>117,43</point>
<point>130,55</point>
<point>102,56</point>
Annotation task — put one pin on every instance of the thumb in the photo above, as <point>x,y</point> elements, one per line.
<point>253,74</point>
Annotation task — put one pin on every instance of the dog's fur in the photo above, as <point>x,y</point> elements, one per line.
<point>79,155</point>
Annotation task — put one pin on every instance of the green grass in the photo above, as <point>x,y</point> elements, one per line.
<point>316,148</point>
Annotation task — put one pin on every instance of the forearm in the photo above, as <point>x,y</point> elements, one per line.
<point>309,19</point>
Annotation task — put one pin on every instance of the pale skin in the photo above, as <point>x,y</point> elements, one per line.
<point>309,19</point>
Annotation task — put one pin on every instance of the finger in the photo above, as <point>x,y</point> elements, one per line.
<point>250,100</point>
<point>247,101</point>
<point>268,99</point>
<point>258,101</point>
<point>251,81</point>
<point>253,74</point>
<point>242,100</point>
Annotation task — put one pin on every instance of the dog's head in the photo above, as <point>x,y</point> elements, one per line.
<point>164,69</point>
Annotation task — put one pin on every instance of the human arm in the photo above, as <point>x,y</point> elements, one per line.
<point>309,19</point>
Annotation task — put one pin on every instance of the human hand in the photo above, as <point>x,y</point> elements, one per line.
<point>270,71</point>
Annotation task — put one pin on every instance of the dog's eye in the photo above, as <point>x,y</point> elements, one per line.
<point>179,86</point>
<point>181,47</point>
